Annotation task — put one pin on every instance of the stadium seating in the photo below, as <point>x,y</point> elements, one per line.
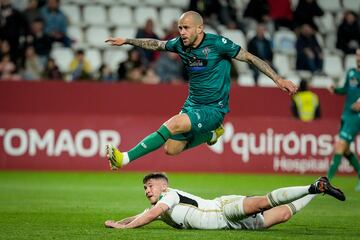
<point>95,15</point>
<point>326,23</point>
<point>142,14</point>
<point>330,5</point>
<point>265,81</point>
<point>350,61</point>
<point>351,5</point>
<point>94,57</point>
<point>112,57</point>
<point>321,81</point>
<point>96,36</point>
<point>155,3</point>
<point>91,24</point>
<point>133,3</point>
<point>72,12</point>
<point>62,57</point>
<point>333,65</point>
<point>168,15</point>
<point>181,4</point>
<point>236,36</point>
<point>282,64</point>
<point>126,32</point>
<point>77,36</point>
<point>246,80</point>
<point>285,41</point>
<point>121,16</point>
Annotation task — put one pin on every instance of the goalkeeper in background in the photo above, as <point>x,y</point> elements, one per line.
<point>350,121</point>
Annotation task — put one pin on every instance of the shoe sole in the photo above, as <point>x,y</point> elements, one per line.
<point>111,158</point>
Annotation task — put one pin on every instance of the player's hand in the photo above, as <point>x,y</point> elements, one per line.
<point>287,86</point>
<point>115,41</point>
<point>113,224</point>
<point>331,89</point>
<point>356,106</point>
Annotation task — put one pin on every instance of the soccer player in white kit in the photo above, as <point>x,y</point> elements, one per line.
<point>183,210</point>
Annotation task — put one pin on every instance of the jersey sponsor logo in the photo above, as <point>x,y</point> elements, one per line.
<point>195,64</point>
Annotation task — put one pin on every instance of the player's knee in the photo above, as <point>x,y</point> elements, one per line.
<point>285,215</point>
<point>178,124</point>
<point>340,147</point>
<point>169,150</point>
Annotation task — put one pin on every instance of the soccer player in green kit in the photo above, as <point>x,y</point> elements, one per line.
<point>207,58</point>
<point>350,120</point>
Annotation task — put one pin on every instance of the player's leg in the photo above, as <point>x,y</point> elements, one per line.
<point>173,147</point>
<point>275,198</point>
<point>281,196</point>
<point>340,147</point>
<point>352,129</point>
<point>178,124</point>
<point>339,150</point>
<point>206,126</point>
<point>283,213</point>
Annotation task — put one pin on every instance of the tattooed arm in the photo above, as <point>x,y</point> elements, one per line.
<point>146,43</point>
<point>283,84</point>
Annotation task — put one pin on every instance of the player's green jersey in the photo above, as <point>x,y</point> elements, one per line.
<point>208,67</point>
<point>351,89</point>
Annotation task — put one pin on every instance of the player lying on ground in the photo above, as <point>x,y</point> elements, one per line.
<point>186,211</point>
<point>207,59</point>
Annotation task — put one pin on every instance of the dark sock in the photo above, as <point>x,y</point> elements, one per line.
<point>150,143</point>
<point>354,162</point>
<point>334,165</point>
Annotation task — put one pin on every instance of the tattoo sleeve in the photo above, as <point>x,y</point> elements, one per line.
<point>245,56</point>
<point>147,43</point>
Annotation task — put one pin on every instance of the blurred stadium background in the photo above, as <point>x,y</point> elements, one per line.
<point>54,124</point>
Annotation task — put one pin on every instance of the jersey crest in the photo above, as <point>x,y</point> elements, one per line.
<point>206,52</point>
<point>353,83</point>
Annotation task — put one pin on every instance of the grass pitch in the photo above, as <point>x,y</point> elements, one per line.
<point>42,205</point>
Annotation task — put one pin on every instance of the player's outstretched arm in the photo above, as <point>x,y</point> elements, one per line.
<point>283,84</point>
<point>141,219</point>
<point>146,43</point>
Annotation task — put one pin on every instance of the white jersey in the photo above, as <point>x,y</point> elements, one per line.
<point>193,212</point>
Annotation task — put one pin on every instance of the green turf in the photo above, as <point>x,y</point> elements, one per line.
<point>41,205</point>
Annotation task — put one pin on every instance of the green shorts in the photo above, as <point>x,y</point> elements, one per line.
<point>202,119</point>
<point>349,128</point>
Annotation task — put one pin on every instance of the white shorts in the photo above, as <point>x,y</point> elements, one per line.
<point>233,210</point>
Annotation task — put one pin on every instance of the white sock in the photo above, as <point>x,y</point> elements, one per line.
<point>213,138</point>
<point>286,195</point>
<point>126,159</point>
<point>299,204</point>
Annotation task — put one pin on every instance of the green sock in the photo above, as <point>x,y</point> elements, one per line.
<point>334,165</point>
<point>354,162</point>
<point>150,143</point>
<point>199,139</point>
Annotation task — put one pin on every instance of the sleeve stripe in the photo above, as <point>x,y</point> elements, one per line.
<point>237,52</point>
